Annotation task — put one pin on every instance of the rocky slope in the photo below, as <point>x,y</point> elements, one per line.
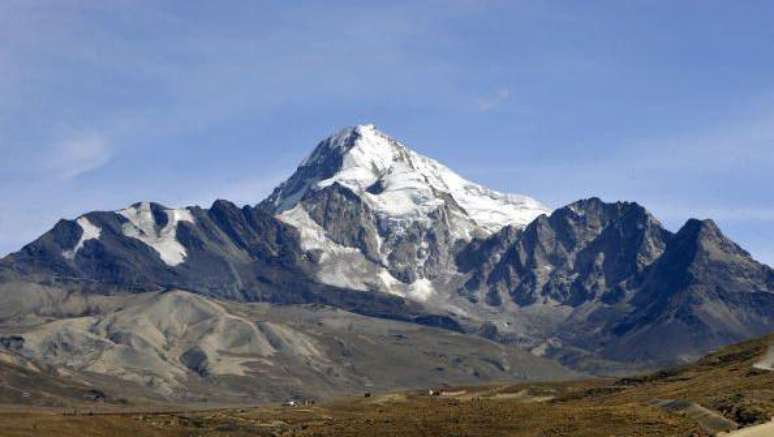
<point>580,253</point>
<point>630,290</point>
<point>182,347</point>
<point>703,292</point>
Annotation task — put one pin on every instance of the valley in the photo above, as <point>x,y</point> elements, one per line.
<point>722,392</point>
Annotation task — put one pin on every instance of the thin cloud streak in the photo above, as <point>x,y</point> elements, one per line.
<point>488,103</point>
<point>81,153</point>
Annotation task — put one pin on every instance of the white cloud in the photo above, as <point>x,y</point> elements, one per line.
<point>487,103</point>
<point>80,153</point>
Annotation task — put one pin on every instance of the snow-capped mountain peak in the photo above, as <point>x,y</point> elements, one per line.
<point>399,183</point>
<point>385,217</point>
<point>351,138</point>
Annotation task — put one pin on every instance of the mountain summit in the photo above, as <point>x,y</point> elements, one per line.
<point>400,184</point>
<point>385,217</point>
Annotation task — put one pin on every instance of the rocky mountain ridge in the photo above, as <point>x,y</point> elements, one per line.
<point>631,290</point>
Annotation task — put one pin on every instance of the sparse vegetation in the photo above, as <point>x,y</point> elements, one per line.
<point>695,400</point>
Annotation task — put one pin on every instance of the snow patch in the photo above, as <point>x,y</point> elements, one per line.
<point>421,290</point>
<point>767,362</point>
<point>313,236</point>
<point>89,232</point>
<point>142,226</point>
<point>346,267</point>
<point>338,265</point>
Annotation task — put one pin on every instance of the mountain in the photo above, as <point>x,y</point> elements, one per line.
<point>403,213</point>
<point>607,281</point>
<point>148,246</point>
<point>703,292</point>
<point>578,254</point>
<point>225,252</point>
<point>369,227</point>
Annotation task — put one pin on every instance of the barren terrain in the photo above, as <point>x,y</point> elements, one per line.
<point>720,393</point>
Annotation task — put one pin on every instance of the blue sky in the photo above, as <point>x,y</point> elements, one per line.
<point>667,103</point>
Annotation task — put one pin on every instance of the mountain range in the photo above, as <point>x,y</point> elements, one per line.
<point>369,242</point>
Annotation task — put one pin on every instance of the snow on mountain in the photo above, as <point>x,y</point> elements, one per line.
<point>89,232</point>
<point>143,226</point>
<point>152,224</point>
<point>380,212</point>
<point>375,215</point>
<point>401,184</point>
